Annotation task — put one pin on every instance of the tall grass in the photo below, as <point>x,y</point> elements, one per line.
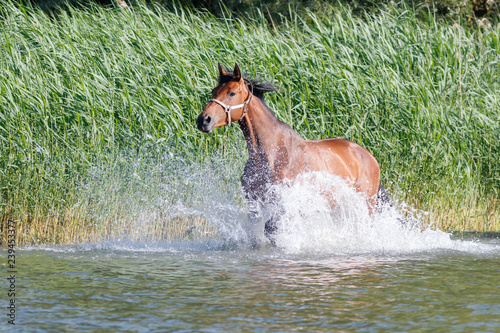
<point>77,91</point>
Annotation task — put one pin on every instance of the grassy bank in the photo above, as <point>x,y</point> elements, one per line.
<point>108,89</point>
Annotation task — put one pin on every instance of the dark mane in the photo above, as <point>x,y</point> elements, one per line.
<point>259,87</point>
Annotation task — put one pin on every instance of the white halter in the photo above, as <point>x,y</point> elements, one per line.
<point>228,108</point>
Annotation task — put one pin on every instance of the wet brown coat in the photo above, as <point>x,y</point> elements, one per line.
<point>277,153</point>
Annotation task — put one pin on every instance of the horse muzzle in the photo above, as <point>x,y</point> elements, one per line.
<point>205,123</point>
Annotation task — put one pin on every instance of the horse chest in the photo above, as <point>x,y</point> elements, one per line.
<point>257,178</point>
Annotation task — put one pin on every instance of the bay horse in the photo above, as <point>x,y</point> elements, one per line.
<point>276,153</point>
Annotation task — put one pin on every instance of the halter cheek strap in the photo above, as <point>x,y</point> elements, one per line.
<point>228,108</point>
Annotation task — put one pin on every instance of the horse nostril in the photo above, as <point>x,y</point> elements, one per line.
<point>204,123</point>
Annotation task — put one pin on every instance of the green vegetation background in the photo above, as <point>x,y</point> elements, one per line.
<point>102,87</point>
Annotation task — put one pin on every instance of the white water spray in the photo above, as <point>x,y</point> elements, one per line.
<point>308,225</point>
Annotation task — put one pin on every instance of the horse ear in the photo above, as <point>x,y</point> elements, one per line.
<point>236,72</point>
<point>222,72</point>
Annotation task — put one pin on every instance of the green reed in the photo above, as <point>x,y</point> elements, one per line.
<point>78,89</point>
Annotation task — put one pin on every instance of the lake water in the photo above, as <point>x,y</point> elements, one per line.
<point>332,270</point>
<point>208,287</point>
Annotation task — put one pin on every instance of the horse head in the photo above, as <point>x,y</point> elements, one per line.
<point>229,101</point>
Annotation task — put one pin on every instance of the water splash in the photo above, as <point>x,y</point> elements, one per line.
<point>309,225</point>
<point>150,198</point>
<point>147,191</point>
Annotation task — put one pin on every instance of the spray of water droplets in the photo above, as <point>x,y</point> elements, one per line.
<point>211,191</point>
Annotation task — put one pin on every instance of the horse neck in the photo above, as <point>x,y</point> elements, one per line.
<point>263,132</point>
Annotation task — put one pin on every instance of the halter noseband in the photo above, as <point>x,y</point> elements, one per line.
<point>228,108</point>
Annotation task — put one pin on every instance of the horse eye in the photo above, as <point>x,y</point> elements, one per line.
<point>232,93</point>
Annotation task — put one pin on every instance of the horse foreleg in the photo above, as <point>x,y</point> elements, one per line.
<point>270,230</point>
<point>255,219</point>
<point>271,227</point>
